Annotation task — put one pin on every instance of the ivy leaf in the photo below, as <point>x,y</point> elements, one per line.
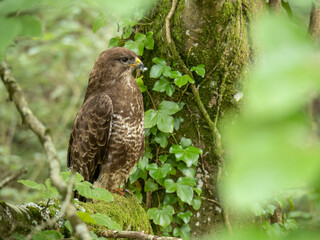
<point>141,85</point>
<point>33,185</point>
<point>151,118</point>
<point>183,80</point>
<point>175,74</point>
<point>156,71</point>
<point>114,42</point>
<point>127,32</point>
<point>105,220</point>
<point>199,70</point>
<point>185,216</point>
<point>149,42</point>
<point>164,85</point>
<point>185,193</point>
<point>177,122</point>
<point>197,190</point>
<point>150,186</point>
<point>99,22</point>
<point>168,107</point>
<point>188,172</point>
<point>124,22</point>
<point>159,61</point>
<point>185,142</point>
<point>163,158</point>
<point>135,175</point>
<point>51,191</point>
<point>47,235</point>
<point>170,186</point>
<point>86,189</point>
<point>166,71</point>
<point>271,208</point>
<point>135,46</point>
<point>161,138</point>
<point>85,217</point>
<point>189,155</point>
<point>196,203</point>
<point>170,199</point>
<point>183,232</point>
<point>165,123</point>
<point>160,172</point>
<point>161,217</point>
<point>143,163</point>
<point>186,181</point>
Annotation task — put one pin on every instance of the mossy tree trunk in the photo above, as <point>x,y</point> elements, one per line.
<point>214,33</point>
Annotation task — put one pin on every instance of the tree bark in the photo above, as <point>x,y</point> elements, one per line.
<point>216,34</point>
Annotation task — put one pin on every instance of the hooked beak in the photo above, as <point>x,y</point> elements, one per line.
<point>139,64</point>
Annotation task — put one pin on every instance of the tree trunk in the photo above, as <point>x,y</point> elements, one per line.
<point>216,34</point>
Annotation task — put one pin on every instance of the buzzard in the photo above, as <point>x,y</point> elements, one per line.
<point>107,136</point>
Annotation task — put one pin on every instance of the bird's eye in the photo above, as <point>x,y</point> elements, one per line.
<point>124,59</point>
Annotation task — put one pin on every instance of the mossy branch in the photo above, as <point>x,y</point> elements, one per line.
<point>16,95</point>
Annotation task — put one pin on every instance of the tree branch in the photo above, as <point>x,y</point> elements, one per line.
<point>314,22</point>
<point>133,235</point>
<point>16,95</point>
<point>9,179</point>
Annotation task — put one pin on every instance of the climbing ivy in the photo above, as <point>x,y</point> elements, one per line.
<point>164,179</point>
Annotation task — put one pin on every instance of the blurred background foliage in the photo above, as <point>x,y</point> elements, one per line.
<point>272,149</point>
<point>52,67</point>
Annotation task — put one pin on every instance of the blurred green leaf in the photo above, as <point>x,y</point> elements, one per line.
<point>114,42</point>
<point>33,185</point>
<point>141,85</point>
<point>30,26</point>
<point>99,22</point>
<point>47,235</point>
<point>105,220</point>
<point>86,217</point>
<point>86,189</point>
<point>127,32</point>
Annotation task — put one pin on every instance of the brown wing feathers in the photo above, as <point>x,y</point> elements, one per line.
<point>89,137</point>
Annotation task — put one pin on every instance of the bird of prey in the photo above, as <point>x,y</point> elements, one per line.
<point>107,137</point>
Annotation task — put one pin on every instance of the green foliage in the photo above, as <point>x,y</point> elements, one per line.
<point>47,235</point>
<point>84,188</point>
<point>99,22</point>
<point>162,217</point>
<point>104,220</point>
<point>273,137</point>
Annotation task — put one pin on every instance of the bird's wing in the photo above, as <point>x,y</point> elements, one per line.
<point>90,135</point>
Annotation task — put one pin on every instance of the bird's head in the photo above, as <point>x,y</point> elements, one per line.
<point>117,61</point>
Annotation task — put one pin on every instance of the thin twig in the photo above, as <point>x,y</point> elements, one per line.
<point>11,178</point>
<point>133,235</point>
<point>173,7</point>
<point>16,95</point>
<point>154,106</point>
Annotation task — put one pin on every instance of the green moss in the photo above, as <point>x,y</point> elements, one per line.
<point>125,211</point>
